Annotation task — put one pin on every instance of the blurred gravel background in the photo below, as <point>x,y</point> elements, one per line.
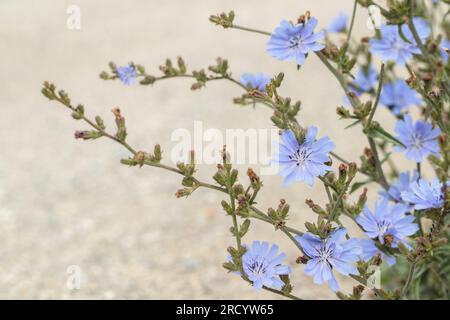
<point>65,202</point>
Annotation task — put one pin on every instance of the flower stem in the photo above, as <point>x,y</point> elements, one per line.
<point>380,174</point>
<point>234,26</point>
<point>407,285</point>
<point>349,34</point>
<point>377,99</point>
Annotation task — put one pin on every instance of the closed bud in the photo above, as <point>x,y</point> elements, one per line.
<point>342,174</point>
<point>157,153</point>
<point>148,79</point>
<point>238,189</point>
<point>226,207</point>
<point>139,157</point>
<point>87,135</point>
<point>302,260</point>
<point>362,198</point>
<point>244,227</point>
<point>184,192</point>
<point>311,227</point>
<point>233,176</point>
<point>128,162</point>
<point>343,112</point>
<point>230,266</point>
<point>352,170</point>
<point>100,123</point>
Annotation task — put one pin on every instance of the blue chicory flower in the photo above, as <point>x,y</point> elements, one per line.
<point>293,42</point>
<point>365,80</point>
<point>303,161</point>
<point>334,253</point>
<point>392,47</point>
<point>339,23</point>
<point>424,195</point>
<point>370,250</point>
<point>398,95</point>
<point>388,223</point>
<point>263,267</point>
<point>419,139</point>
<point>257,81</point>
<point>402,183</point>
<point>445,45</point>
<point>127,74</point>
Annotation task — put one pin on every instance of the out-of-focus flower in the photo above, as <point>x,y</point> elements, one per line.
<point>292,42</point>
<point>303,161</point>
<point>398,95</point>
<point>257,81</point>
<point>419,139</point>
<point>327,255</point>
<point>392,47</point>
<point>262,265</point>
<point>445,47</point>
<point>338,23</point>
<point>370,250</point>
<point>365,80</point>
<point>127,74</point>
<point>401,184</point>
<point>424,195</point>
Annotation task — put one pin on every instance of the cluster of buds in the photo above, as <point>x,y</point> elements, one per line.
<point>355,295</point>
<point>322,229</point>
<point>121,133</point>
<point>357,207</point>
<point>223,19</point>
<point>235,265</point>
<point>189,182</point>
<point>141,157</point>
<point>280,215</point>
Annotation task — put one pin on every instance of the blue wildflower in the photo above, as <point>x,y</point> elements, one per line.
<point>127,74</point>
<point>388,223</point>
<point>392,47</point>
<point>292,42</point>
<point>365,80</point>
<point>402,183</point>
<point>257,81</point>
<point>445,45</point>
<point>398,95</point>
<point>419,139</point>
<point>422,27</point>
<point>339,23</point>
<point>370,250</point>
<point>263,267</point>
<point>424,195</point>
<point>303,161</point>
<point>326,255</point>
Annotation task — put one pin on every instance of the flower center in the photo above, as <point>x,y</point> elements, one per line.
<point>301,155</point>
<point>258,268</point>
<point>295,41</point>
<point>417,142</point>
<point>326,252</point>
<point>383,226</point>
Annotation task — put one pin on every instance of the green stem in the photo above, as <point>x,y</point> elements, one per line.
<point>380,174</point>
<point>377,99</point>
<point>233,216</point>
<point>407,285</point>
<point>349,34</point>
<point>234,26</point>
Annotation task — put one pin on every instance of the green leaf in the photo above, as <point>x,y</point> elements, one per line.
<point>383,134</point>
<point>358,185</point>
